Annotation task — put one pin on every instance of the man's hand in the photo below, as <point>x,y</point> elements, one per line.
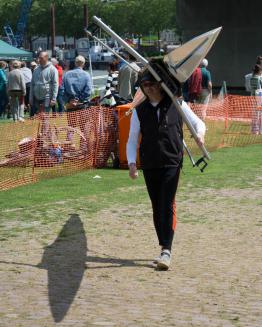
<point>133,171</point>
<point>52,103</point>
<point>74,102</point>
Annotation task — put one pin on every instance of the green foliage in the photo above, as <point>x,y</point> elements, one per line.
<point>125,17</point>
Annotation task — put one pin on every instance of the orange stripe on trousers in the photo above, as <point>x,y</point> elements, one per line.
<point>174,216</point>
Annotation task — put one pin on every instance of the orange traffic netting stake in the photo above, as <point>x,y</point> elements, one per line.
<point>51,146</point>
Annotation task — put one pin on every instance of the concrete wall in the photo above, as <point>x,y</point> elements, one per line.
<point>240,42</point>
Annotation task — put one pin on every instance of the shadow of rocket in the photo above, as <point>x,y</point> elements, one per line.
<point>64,261</point>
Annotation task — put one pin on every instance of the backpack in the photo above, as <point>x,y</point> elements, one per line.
<point>195,82</point>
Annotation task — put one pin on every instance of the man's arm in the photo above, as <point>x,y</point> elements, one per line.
<point>31,94</point>
<point>209,83</point>
<point>131,147</point>
<point>87,88</point>
<point>54,84</point>
<point>23,84</point>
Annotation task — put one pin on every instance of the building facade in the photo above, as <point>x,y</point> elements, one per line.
<point>240,42</point>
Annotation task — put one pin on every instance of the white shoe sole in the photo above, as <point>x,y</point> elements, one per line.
<point>162,265</point>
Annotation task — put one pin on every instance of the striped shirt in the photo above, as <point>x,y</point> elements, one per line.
<point>112,82</point>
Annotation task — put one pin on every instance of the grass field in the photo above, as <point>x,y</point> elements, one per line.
<point>215,275</point>
<point>230,167</point>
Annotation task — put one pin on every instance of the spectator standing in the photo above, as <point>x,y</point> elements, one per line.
<point>195,85</point>
<point>256,90</point>
<point>112,78</point>
<point>60,77</point>
<point>119,63</point>
<point>127,78</point>
<point>3,94</point>
<point>206,89</point>
<point>33,66</point>
<point>111,86</point>
<point>206,83</point>
<point>248,76</point>
<point>76,84</point>
<point>27,74</point>
<point>16,90</point>
<point>44,84</point>
<point>76,92</point>
<point>256,79</point>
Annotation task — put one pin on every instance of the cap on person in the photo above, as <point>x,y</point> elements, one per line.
<point>147,76</point>
<point>33,64</point>
<point>80,59</point>
<point>204,62</point>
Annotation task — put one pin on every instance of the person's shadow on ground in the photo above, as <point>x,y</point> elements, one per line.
<point>66,260</point>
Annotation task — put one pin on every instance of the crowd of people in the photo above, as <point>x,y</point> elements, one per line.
<point>25,87</point>
<point>45,85</point>
<point>198,88</point>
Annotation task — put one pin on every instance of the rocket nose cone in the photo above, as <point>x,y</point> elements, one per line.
<point>183,60</point>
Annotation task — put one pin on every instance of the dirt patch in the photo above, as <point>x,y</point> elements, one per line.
<point>96,270</point>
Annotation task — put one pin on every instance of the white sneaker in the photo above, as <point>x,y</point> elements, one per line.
<point>164,260</point>
<point>21,119</point>
<point>156,259</point>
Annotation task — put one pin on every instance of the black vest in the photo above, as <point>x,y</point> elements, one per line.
<point>162,141</point>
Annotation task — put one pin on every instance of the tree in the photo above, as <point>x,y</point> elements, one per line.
<point>125,17</point>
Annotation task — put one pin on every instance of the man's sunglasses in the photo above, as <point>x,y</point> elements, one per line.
<point>148,84</point>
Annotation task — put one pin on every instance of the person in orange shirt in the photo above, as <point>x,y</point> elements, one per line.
<point>60,77</point>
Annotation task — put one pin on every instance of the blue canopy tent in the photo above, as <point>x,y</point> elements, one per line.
<point>8,52</point>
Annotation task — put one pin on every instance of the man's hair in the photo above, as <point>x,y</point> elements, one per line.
<point>259,60</point>
<point>16,64</point>
<point>3,64</point>
<point>45,53</point>
<point>80,60</point>
<point>112,67</point>
<point>257,69</point>
<point>23,64</point>
<point>204,63</point>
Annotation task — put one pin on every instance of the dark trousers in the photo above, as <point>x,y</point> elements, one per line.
<point>161,186</point>
<point>60,101</point>
<point>3,102</point>
<point>28,85</point>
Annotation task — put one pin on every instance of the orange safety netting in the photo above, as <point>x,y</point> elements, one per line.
<point>231,121</point>
<point>58,145</point>
<point>49,146</point>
